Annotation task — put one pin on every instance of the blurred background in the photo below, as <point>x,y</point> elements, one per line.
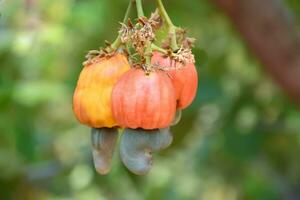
<point>240,139</point>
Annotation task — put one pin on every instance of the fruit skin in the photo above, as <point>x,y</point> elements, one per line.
<point>184,79</point>
<point>144,101</point>
<point>92,96</point>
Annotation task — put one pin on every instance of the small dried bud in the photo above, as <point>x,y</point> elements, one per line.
<point>125,32</point>
<point>142,21</point>
<point>155,20</point>
<point>130,24</point>
<point>188,42</point>
<point>141,37</point>
<point>137,41</point>
<point>107,43</point>
<point>184,55</point>
<point>92,53</point>
<point>93,56</point>
<point>147,32</point>
<point>180,35</point>
<point>181,31</point>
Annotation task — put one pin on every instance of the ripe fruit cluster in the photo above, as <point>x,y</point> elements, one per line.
<point>135,85</point>
<point>112,92</point>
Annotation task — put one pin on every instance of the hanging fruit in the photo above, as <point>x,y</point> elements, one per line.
<point>141,100</point>
<point>184,77</point>
<point>92,97</point>
<point>138,88</point>
<point>92,103</point>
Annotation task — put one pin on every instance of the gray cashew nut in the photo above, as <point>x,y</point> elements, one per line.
<point>137,145</point>
<point>103,143</point>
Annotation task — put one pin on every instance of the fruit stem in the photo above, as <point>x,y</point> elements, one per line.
<point>157,48</point>
<point>161,50</point>
<point>148,55</point>
<point>148,50</point>
<point>169,23</point>
<point>164,13</point>
<point>128,11</point>
<point>139,8</point>
<point>118,41</point>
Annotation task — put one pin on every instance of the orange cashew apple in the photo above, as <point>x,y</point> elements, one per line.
<point>92,97</point>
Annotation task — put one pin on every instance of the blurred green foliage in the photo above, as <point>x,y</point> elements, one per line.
<point>239,140</point>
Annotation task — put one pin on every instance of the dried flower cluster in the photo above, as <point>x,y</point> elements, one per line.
<point>184,55</point>
<point>141,37</point>
<point>177,60</point>
<point>93,56</point>
<point>141,33</point>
